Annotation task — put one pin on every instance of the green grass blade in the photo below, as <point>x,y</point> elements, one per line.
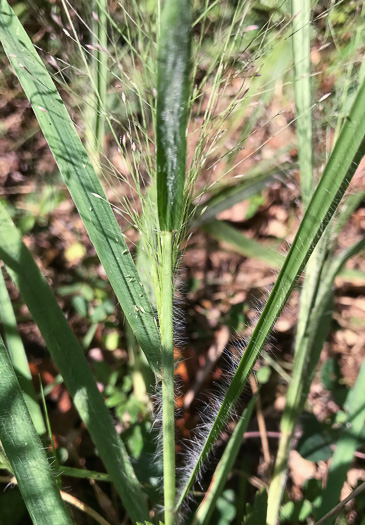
<point>355,408</point>
<point>346,445</point>
<point>25,453</point>
<point>82,182</point>
<point>224,467</point>
<point>70,360</point>
<point>352,202</point>
<point>345,158</point>
<point>95,114</point>
<point>15,347</point>
<point>173,91</point>
<point>308,349</point>
<point>223,231</point>
<point>301,11</point>
<point>228,195</point>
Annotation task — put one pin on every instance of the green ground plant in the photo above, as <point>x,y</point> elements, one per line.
<point>170,126</point>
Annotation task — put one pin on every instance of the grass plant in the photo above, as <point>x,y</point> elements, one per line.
<point>172,117</point>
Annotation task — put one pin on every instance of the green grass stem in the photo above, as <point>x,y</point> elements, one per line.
<point>316,300</point>
<point>168,395</point>
<point>95,114</point>
<point>295,398</point>
<point>301,41</point>
<point>173,92</point>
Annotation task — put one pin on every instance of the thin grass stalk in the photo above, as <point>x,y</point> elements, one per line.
<point>95,115</point>
<point>315,300</point>
<point>294,403</point>
<point>301,12</point>
<point>173,90</point>
<point>168,395</point>
<point>25,453</point>
<point>328,518</point>
<point>301,27</point>
<point>18,357</point>
<point>339,170</point>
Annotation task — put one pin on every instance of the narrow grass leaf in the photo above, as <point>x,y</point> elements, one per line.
<point>82,182</point>
<point>70,360</point>
<point>95,115</point>
<point>206,508</point>
<point>301,12</point>
<point>350,436</point>
<point>223,231</point>
<point>25,453</point>
<point>346,445</point>
<point>342,164</point>
<point>305,361</point>
<point>308,350</point>
<point>18,357</point>
<point>173,92</point>
<point>351,203</point>
<point>227,195</point>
